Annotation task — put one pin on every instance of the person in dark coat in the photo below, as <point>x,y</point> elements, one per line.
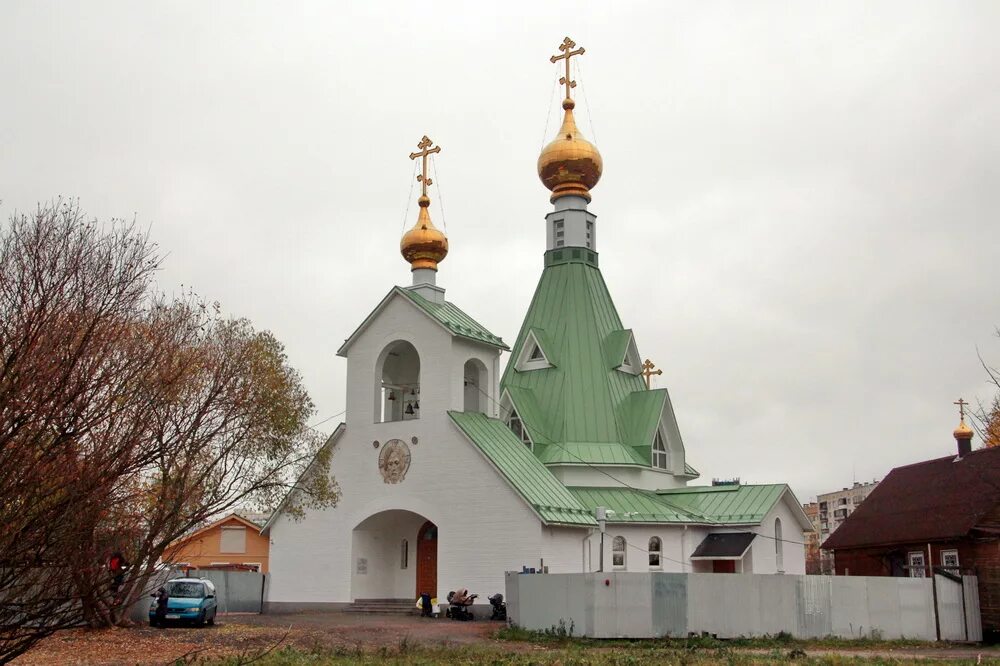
<point>161,606</point>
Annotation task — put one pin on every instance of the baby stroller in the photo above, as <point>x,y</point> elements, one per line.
<point>499,607</point>
<point>459,603</point>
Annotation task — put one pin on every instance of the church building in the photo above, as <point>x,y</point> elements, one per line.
<point>452,473</point>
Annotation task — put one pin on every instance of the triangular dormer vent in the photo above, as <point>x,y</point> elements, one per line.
<point>516,426</point>
<point>533,355</point>
<point>661,457</point>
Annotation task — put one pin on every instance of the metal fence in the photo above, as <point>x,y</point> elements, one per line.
<point>235,591</point>
<point>647,605</point>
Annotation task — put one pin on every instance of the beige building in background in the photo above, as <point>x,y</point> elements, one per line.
<point>832,509</point>
<point>230,542</point>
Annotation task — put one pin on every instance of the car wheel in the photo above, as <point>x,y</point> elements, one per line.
<point>211,620</point>
<point>200,622</point>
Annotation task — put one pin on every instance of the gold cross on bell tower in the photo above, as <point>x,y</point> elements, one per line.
<point>647,370</point>
<point>425,151</point>
<point>567,48</point>
<point>961,408</point>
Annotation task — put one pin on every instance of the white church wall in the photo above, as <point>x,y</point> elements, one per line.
<point>763,550</point>
<point>484,527</point>
<point>633,476</point>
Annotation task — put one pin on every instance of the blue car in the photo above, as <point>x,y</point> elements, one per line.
<point>188,600</point>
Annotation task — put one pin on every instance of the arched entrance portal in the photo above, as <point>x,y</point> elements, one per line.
<point>427,556</point>
<point>393,554</point>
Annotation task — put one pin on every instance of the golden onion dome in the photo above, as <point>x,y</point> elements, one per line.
<point>963,431</point>
<point>570,165</point>
<point>424,245</point>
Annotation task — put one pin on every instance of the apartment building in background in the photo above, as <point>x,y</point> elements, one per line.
<point>828,512</point>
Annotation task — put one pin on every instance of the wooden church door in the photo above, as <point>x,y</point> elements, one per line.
<point>427,555</point>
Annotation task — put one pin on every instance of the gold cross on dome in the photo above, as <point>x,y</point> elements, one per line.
<point>425,150</point>
<point>647,370</point>
<point>567,48</point>
<point>961,408</point>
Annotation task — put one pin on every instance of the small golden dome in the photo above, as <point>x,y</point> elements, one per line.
<point>570,165</point>
<point>963,431</point>
<point>424,245</point>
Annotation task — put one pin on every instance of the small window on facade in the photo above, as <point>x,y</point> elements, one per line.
<point>659,452</point>
<point>559,225</point>
<point>917,564</point>
<point>949,559</point>
<point>618,552</point>
<point>517,427</point>
<point>233,540</point>
<point>559,243</point>
<point>404,554</point>
<point>536,354</point>
<point>779,547</point>
<point>655,548</point>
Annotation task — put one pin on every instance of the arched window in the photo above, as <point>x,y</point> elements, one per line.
<point>618,552</point>
<point>659,452</point>
<point>655,549</point>
<point>397,383</point>
<point>778,547</point>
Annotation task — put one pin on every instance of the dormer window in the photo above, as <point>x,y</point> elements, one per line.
<point>517,427</point>
<point>533,355</point>
<point>660,456</point>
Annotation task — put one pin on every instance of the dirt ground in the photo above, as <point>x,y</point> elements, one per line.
<point>252,634</point>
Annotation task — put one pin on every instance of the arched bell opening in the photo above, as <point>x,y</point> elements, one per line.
<point>397,383</point>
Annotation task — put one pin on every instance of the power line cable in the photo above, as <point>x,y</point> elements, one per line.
<point>409,197</point>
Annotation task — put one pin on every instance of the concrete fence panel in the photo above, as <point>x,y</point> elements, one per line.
<point>647,605</point>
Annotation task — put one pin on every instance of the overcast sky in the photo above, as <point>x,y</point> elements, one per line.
<point>798,214</point>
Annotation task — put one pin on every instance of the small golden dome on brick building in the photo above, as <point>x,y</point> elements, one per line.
<point>963,431</point>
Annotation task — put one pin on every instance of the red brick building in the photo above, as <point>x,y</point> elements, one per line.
<point>939,514</point>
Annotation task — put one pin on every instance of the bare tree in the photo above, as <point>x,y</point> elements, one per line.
<point>125,419</point>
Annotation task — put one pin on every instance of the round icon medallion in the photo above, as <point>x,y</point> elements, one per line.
<point>394,461</point>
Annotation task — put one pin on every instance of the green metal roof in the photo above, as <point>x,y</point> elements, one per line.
<point>583,410</point>
<point>703,505</point>
<point>529,477</point>
<point>732,504</point>
<point>454,319</point>
<point>615,346</point>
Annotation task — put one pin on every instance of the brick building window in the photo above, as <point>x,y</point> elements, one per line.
<point>917,564</point>
<point>949,559</point>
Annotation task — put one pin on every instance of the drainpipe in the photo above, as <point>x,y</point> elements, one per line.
<point>602,523</point>
<point>683,539</point>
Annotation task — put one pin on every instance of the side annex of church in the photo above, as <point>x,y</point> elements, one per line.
<point>452,475</point>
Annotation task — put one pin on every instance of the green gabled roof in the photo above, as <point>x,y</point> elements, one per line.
<point>730,504</point>
<point>529,477</point>
<point>455,320</point>
<point>615,346</point>
<point>705,505</point>
<point>639,414</point>
<point>532,418</point>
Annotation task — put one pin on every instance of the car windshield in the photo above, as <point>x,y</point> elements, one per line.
<point>186,590</point>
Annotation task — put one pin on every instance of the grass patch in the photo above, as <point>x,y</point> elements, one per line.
<point>568,655</point>
<point>780,641</point>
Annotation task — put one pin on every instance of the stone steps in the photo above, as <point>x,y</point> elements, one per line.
<point>383,607</point>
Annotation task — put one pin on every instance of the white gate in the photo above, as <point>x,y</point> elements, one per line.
<point>958,607</point>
